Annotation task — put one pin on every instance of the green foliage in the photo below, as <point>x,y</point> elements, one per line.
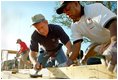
<point>62,19</point>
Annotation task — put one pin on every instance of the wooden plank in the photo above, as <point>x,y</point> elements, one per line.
<point>80,72</point>
<point>10,51</point>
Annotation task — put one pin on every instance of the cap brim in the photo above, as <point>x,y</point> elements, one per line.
<point>35,23</point>
<point>60,10</point>
<point>39,21</point>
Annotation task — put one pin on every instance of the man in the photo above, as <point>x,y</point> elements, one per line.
<point>48,36</point>
<point>23,52</point>
<point>94,21</point>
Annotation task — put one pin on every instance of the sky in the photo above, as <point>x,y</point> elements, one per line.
<point>16,21</point>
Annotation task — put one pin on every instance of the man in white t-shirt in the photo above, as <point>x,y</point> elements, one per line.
<point>93,21</point>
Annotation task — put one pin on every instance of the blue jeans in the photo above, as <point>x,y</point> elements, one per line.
<point>60,57</point>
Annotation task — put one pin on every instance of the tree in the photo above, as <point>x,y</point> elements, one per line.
<point>62,19</point>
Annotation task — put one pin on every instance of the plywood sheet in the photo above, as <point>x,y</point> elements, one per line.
<point>75,72</point>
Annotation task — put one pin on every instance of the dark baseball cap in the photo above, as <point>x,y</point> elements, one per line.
<point>63,5</point>
<point>18,40</point>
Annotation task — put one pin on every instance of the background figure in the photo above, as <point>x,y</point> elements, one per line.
<point>23,53</point>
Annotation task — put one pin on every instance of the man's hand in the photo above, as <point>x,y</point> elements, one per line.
<point>83,62</point>
<point>38,66</point>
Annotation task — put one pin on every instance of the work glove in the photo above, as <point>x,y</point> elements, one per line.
<point>111,56</point>
<point>111,53</point>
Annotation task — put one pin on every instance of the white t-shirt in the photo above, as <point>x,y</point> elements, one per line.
<point>91,24</point>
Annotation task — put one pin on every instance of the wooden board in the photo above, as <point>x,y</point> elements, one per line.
<point>10,51</point>
<point>80,72</point>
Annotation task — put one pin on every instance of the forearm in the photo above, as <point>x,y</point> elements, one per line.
<point>74,54</point>
<point>20,51</point>
<point>113,30</point>
<point>75,51</point>
<point>69,48</point>
<point>33,57</point>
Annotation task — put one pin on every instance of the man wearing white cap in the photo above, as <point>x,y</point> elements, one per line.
<point>47,35</point>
